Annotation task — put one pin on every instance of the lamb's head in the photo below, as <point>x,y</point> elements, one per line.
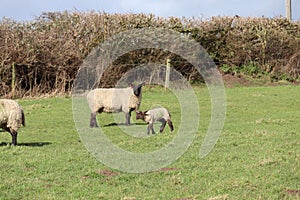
<point>140,114</point>
<point>137,89</point>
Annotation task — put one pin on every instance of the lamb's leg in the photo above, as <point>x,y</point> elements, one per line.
<point>93,121</point>
<point>170,125</point>
<point>153,132</point>
<point>163,124</point>
<point>14,135</point>
<point>150,127</point>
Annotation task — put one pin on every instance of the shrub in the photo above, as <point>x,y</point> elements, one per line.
<point>47,51</point>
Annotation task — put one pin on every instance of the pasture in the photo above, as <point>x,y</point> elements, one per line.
<point>256,157</point>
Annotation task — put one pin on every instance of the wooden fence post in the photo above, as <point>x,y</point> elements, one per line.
<point>168,69</point>
<point>13,79</point>
<point>288,9</point>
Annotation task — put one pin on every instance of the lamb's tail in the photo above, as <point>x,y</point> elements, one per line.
<point>169,114</point>
<point>23,117</point>
<point>170,125</point>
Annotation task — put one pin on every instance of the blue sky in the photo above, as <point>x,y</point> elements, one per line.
<point>29,9</point>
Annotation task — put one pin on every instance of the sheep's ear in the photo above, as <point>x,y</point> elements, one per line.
<point>146,112</point>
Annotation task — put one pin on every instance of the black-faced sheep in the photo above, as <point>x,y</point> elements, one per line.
<point>112,100</point>
<point>11,117</point>
<point>157,114</point>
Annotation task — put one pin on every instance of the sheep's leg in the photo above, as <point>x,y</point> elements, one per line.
<point>14,135</point>
<point>170,125</point>
<point>163,124</point>
<point>128,116</point>
<point>93,121</point>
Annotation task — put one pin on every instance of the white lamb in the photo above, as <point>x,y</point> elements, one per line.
<point>157,114</point>
<point>112,100</point>
<point>11,117</point>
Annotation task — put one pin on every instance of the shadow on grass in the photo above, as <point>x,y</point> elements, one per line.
<point>30,144</point>
<point>123,124</point>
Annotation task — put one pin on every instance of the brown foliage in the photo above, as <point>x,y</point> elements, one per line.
<point>48,51</point>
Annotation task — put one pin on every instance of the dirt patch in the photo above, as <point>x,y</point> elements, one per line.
<point>103,175</point>
<point>232,81</point>
<point>294,192</point>
<point>107,173</point>
<point>166,169</point>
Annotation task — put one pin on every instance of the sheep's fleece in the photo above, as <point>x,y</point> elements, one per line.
<point>10,114</point>
<point>113,100</point>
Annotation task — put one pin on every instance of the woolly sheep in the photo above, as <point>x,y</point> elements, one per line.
<point>157,114</point>
<point>11,117</point>
<point>111,100</point>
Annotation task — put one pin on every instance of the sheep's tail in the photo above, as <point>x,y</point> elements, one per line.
<point>23,117</point>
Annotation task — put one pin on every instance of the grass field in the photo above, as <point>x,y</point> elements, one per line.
<point>256,157</point>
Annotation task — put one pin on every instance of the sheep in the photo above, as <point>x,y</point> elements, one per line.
<point>157,114</point>
<point>112,100</point>
<point>11,117</point>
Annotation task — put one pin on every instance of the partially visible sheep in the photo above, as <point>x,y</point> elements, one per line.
<point>11,117</point>
<point>111,100</point>
<point>157,114</point>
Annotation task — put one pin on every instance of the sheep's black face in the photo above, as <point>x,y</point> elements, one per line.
<point>137,89</point>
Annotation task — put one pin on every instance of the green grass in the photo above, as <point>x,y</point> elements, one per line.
<point>256,157</point>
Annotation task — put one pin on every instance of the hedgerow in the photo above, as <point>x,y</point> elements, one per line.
<point>43,56</point>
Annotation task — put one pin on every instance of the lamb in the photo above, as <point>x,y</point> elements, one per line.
<point>157,114</point>
<point>112,100</point>
<point>11,117</point>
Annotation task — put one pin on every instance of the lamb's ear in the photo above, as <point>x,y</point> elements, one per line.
<point>146,112</point>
